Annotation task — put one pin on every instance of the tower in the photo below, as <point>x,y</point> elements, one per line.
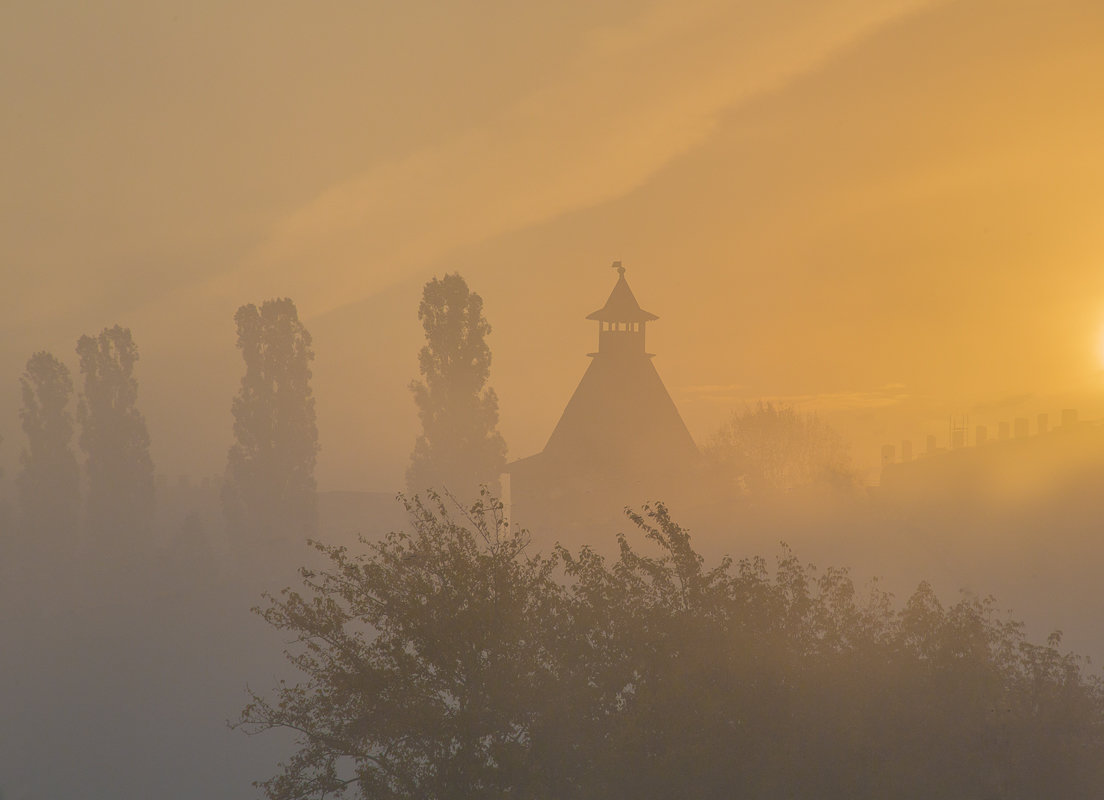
<point>620,440</point>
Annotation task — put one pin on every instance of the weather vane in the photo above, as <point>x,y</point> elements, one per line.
<point>617,266</point>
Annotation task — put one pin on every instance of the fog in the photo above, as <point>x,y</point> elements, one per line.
<point>846,225</point>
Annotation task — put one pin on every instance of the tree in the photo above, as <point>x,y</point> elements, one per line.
<point>4,525</point>
<point>49,490</point>
<point>448,662</point>
<point>114,436</point>
<point>419,657</point>
<point>269,492</point>
<point>459,447</point>
<point>771,448</point>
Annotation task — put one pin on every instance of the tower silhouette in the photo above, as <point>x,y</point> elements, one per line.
<point>620,440</point>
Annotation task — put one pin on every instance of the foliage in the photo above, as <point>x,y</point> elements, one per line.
<point>770,448</point>
<point>48,481</point>
<point>270,485</point>
<point>114,436</point>
<point>3,512</point>
<point>419,655</point>
<point>459,447</point>
<point>447,662</point>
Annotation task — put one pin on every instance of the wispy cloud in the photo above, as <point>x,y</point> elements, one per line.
<point>634,99</point>
<point>736,396</point>
<point>1004,403</point>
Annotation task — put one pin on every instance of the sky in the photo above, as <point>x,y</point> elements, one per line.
<point>888,212</point>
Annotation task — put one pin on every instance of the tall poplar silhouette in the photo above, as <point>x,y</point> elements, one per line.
<point>460,446</point>
<point>114,437</point>
<point>49,478</point>
<point>269,492</point>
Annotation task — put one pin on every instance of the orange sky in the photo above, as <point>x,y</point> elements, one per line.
<point>887,211</point>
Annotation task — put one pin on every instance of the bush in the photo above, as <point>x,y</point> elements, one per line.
<point>447,662</point>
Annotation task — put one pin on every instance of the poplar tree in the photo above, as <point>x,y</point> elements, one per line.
<point>114,437</point>
<point>49,479</point>
<point>460,447</point>
<point>269,491</point>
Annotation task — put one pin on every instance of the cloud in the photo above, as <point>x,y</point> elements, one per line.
<point>1005,403</point>
<point>634,99</point>
<point>735,395</point>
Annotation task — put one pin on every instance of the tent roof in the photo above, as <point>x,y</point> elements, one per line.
<point>621,305</point>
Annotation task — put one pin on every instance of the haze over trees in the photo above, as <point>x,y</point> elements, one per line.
<point>769,448</point>
<point>4,512</point>
<point>139,623</point>
<point>446,662</point>
<point>449,660</point>
<point>460,447</point>
<point>270,490</point>
<point>114,437</point>
<point>49,477</point>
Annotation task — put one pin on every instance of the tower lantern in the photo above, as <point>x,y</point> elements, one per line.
<point>621,320</point>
